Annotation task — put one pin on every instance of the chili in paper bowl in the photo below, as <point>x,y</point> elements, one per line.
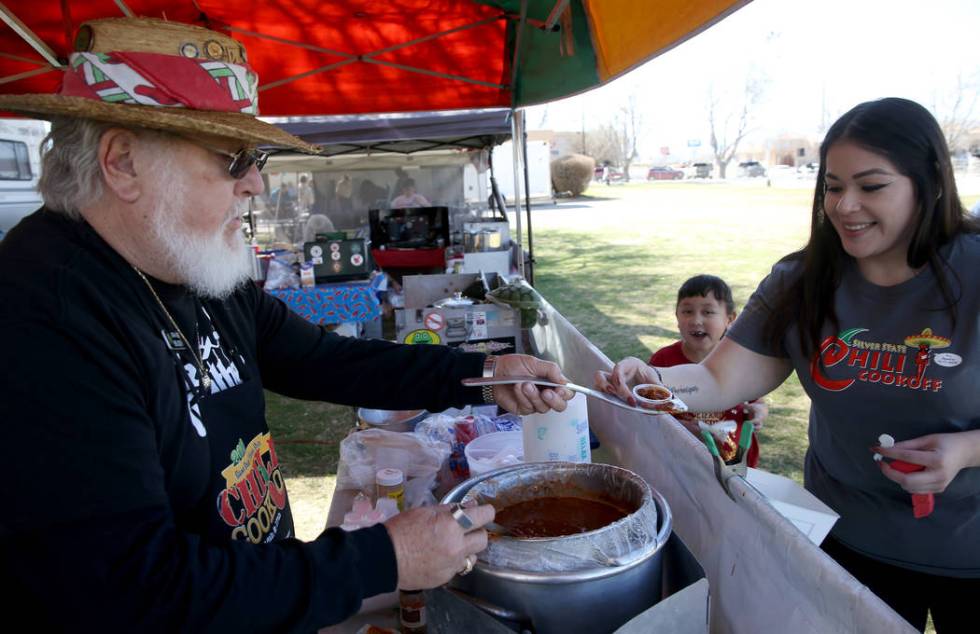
<point>653,396</point>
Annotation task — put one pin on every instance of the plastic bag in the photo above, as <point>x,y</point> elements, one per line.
<point>418,457</point>
<point>364,514</point>
<point>457,428</point>
<point>505,422</point>
<point>280,275</point>
<point>438,427</point>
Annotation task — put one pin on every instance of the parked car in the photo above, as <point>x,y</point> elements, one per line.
<point>664,174</point>
<point>615,174</point>
<point>751,169</point>
<point>20,168</point>
<point>699,170</point>
<point>808,170</point>
<point>780,172</point>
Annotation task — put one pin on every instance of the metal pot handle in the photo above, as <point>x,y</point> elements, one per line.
<point>491,609</point>
<point>664,518</point>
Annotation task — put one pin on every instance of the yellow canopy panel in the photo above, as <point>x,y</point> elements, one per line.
<point>625,37</point>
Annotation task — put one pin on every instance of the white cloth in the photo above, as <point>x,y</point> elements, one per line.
<point>764,575</point>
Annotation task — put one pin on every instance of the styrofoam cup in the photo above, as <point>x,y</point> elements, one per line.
<point>558,435</point>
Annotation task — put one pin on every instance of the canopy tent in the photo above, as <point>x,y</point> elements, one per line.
<point>403,133</point>
<point>319,57</point>
<point>322,57</point>
<point>396,134</point>
<point>349,136</point>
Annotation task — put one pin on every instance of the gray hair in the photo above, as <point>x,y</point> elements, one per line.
<point>70,174</point>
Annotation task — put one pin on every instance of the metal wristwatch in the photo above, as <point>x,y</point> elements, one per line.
<point>489,365</point>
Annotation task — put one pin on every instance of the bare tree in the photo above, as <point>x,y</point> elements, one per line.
<point>615,142</point>
<point>629,123</point>
<point>730,122</point>
<point>605,144</point>
<point>958,115</point>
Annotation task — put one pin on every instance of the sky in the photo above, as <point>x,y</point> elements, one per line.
<point>815,60</point>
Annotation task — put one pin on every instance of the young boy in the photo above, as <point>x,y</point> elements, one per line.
<point>705,309</point>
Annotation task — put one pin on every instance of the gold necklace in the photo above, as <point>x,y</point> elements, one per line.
<point>205,375</point>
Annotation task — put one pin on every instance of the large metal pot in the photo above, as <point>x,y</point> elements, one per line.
<point>588,582</point>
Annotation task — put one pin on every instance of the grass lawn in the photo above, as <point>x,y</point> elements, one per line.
<point>308,436</point>
<point>614,269</point>
<point>612,262</point>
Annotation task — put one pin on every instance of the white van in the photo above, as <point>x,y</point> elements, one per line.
<point>20,167</point>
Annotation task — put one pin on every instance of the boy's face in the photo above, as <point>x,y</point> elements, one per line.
<point>702,321</point>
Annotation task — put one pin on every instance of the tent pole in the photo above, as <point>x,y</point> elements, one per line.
<point>517,133</point>
<point>555,14</point>
<point>527,204</point>
<point>29,36</point>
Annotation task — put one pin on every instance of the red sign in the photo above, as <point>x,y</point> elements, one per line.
<point>433,321</point>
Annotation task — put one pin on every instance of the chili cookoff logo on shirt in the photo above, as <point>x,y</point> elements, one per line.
<point>254,496</point>
<point>902,365</point>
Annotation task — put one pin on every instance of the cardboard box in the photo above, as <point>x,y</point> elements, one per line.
<point>799,506</point>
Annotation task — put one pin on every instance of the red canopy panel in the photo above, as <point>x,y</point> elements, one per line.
<point>312,57</point>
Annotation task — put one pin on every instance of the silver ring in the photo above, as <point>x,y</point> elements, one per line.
<point>462,518</point>
<point>468,566</point>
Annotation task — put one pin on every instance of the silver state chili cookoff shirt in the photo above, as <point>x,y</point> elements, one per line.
<point>897,365</point>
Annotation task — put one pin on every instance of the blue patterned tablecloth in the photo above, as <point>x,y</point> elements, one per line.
<point>332,303</point>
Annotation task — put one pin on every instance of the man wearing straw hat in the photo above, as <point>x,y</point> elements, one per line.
<point>143,491</point>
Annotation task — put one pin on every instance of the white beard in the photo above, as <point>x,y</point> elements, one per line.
<point>211,266</point>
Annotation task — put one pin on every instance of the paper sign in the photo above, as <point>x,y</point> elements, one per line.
<point>478,325</point>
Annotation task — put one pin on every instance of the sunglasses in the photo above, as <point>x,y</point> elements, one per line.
<point>241,160</point>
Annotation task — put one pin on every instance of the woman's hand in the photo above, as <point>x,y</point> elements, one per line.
<point>628,372</point>
<point>756,412</point>
<point>942,455</point>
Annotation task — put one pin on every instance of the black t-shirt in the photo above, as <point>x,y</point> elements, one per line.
<point>137,500</point>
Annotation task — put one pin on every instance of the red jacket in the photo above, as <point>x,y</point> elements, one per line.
<point>674,355</point>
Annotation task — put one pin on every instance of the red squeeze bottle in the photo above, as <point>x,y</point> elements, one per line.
<point>922,503</point>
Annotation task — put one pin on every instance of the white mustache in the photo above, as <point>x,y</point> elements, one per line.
<point>238,210</point>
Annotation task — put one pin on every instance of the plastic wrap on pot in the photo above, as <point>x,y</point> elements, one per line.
<point>616,544</point>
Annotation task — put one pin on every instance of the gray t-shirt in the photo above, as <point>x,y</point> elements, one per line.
<point>897,366</point>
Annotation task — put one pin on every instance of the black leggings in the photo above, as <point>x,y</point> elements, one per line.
<point>952,600</point>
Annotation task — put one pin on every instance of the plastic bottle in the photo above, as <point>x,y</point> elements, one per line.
<point>391,484</point>
<point>307,277</point>
<point>411,611</point>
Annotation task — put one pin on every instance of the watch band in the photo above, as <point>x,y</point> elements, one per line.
<point>489,366</point>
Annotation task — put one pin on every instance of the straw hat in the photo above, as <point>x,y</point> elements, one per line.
<point>162,75</point>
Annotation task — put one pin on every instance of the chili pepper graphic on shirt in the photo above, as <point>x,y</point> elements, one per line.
<point>877,362</point>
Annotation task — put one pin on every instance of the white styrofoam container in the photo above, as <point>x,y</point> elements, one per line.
<point>799,506</point>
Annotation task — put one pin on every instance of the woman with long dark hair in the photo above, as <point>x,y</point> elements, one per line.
<point>879,315</point>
